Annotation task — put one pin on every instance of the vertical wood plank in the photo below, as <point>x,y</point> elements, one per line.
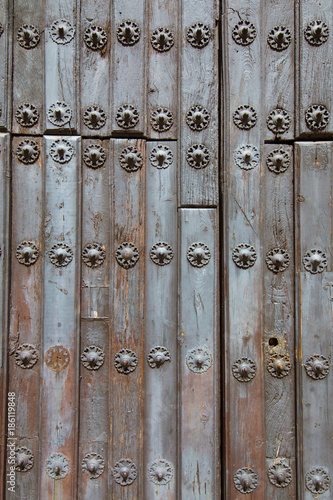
<point>26,308</point>
<point>160,417</point>
<point>6,19</point>
<point>313,193</point>
<point>199,87</point>
<point>127,299</point>
<point>59,382</point>
<point>199,465</point>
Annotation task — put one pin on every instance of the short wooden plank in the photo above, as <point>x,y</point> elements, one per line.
<point>128,68</point>
<point>95,45</point>
<point>279,342</point>
<point>160,417</point>
<point>162,62</point>
<point>313,194</point>
<point>199,87</point>
<point>199,450</point>
<point>127,300</point>
<point>6,66</point>
<point>58,418</point>
<point>26,309</point>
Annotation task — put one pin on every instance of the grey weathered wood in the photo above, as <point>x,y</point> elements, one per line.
<point>278,232</point>
<point>6,66</point>
<point>26,311</point>
<point>58,418</point>
<point>199,453</point>
<point>127,302</point>
<point>199,85</point>
<point>160,414</point>
<point>313,193</point>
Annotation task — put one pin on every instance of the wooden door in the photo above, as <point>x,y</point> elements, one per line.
<point>166,232</point>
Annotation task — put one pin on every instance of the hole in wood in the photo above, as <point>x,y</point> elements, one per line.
<point>273,341</point>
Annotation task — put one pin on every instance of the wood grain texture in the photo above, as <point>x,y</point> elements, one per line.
<point>58,417</point>
<point>199,86</point>
<point>313,192</point>
<point>199,453</point>
<point>6,65</point>
<point>161,324</point>
<point>127,327</point>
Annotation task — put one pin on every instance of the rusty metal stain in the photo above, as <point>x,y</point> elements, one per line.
<point>57,358</point>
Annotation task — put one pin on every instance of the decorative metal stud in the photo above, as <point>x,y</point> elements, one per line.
<point>124,472</point>
<point>244,33</point>
<point>198,254</point>
<point>24,459</point>
<point>317,480</point>
<point>26,115</point>
<point>162,39</point>
<point>61,254</point>
<point>62,31</point>
<point>127,116</point>
<point>57,466</point>
<point>26,356</point>
<point>278,121</point>
<point>278,161</point>
<point>27,253</point>
<point>128,33</point>
<point>125,361</point>
<point>317,367</point>
<point>131,159</point>
<point>316,157</point>
<point>158,356</point>
<point>61,151</point>
<point>315,261</point>
<point>317,117</point>
<point>95,37</point>
<point>93,464</point>
<point>27,152</point>
<point>93,255</point>
<point>198,35</point>
<point>279,38</point>
<point>246,157</point>
<point>28,36</point>
<point>57,358</point>
<point>161,119</point>
<point>244,369</point>
<point>279,365</point>
<point>161,253</point>
<point>197,118</point>
<point>94,117</point>
<point>245,117</point>
<point>277,260</point>
<point>199,360</point>
<point>92,357</point>
<point>161,156</point>
<point>94,156</point>
<point>127,255</point>
<point>59,114</point>
<point>160,472</point>
<point>245,480</point>
<point>280,474</point>
<point>244,255</point>
<point>316,33</point>
<point>197,156</point>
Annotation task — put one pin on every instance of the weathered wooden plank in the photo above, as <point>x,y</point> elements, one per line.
<point>95,314</point>
<point>162,61</point>
<point>60,51</point>
<point>128,67</point>
<point>6,64</point>
<point>315,81</point>
<point>58,418</point>
<point>278,41</point>
<point>24,348</point>
<point>313,194</point>
<point>127,299</point>
<point>160,324</point>
<point>279,344</point>
<point>28,105</point>
<point>199,458</point>
<point>95,65</point>
<point>199,103</point>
